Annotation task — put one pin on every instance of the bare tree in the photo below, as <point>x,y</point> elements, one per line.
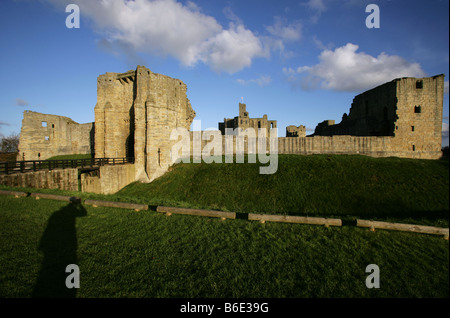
<point>10,143</point>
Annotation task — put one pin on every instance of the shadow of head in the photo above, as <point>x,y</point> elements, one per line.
<point>75,208</point>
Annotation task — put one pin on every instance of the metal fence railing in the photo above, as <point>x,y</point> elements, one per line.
<point>36,165</point>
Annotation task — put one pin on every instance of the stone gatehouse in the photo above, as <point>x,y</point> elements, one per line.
<point>134,115</point>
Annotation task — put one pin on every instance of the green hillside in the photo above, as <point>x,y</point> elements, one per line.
<point>320,185</point>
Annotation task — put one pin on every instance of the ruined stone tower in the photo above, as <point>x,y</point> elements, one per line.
<point>134,116</point>
<point>408,109</point>
<point>244,121</point>
<point>43,136</point>
<point>417,124</point>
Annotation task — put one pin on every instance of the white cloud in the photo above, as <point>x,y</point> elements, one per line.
<point>231,50</point>
<point>290,32</point>
<point>169,28</point>
<point>317,7</point>
<point>280,34</point>
<point>345,69</point>
<point>21,102</point>
<point>230,15</point>
<point>445,134</point>
<point>445,130</point>
<point>319,44</point>
<point>446,87</point>
<point>261,81</point>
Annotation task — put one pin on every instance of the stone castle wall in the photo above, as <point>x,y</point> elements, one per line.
<point>342,144</point>
<point>375,146</point>
<point>43,136</point>
<point>137,111</point>
<point>135,114</point>
<point>108,179</point>
<point>406,112</point>
<point>63,179</point>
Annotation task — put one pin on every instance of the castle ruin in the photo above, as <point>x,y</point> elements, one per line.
<point>295,131</point>
<point>136,112</point>
<point>243,121</point>
<point>43,136</point>
<point>134,115</point>
<point>400,118</point>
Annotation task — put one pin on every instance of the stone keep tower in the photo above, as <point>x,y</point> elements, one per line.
<point>418,126</point>
<point>134,116</point>
<point>409,109</point>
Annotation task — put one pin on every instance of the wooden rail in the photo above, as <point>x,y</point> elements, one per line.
<point>197,212</point>
<point>251,216</point>
<point>372,225</point>
<point>294,219</point>
<point>50,196</point>
<point>36,165</point>
<point>123,205</point>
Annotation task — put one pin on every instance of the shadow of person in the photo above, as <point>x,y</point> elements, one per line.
<point>59,246</point>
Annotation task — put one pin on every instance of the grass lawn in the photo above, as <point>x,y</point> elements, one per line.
<point>79,156</point>
<point>123,253</point>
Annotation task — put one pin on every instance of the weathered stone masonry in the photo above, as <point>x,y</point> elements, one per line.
<point>134,116</point>
<point>401,118</point>
<point>136,112</point>
<point>64,179</point>
<point>243,121</point>
<point>43,136</point>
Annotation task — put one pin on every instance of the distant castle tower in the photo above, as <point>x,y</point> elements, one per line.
<point>244,121</point>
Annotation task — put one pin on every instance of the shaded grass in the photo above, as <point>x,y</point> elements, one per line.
<point>342,186</point>
<point>145,254</point>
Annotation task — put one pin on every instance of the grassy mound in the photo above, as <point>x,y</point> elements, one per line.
<point>64,157</point>
<point>319,185</point>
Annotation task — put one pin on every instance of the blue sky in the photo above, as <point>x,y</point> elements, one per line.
<point>299,62</point>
